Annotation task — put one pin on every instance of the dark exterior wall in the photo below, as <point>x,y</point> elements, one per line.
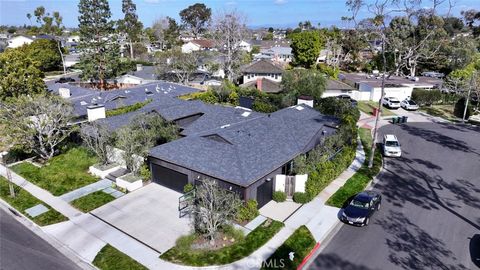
<point>194,176</point>
<point>251,191</point>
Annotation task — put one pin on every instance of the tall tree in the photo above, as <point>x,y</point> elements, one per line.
<point>130,25</point>
<point>38,122</point>
<point>181,65</point>
<point>229,30</point>
<point>19,74</point>
<point>307,82</point>
<point>98,139</point>
<point>100,59</point>
<point>196,18</point>
<point>306,48</point>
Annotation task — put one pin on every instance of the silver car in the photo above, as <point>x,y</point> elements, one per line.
<point>409,105</point>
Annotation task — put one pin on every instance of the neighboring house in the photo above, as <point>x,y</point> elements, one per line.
<point>142,75</point>
<point>262,69</point>
<point>198,45</point>
<point>264,85</point>
<point>73,39</point>
<point>245,46</point>
<point>335,88</point>
<point>278,54</point>
<point>368,87</point>
<point>212,65</point>
<point>19,41</point>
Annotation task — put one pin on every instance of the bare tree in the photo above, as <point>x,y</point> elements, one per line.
<point>97,138</point>
<point>177,64</point>
<point>215,207</point>
<point>39,123</point>
<point>229,29</point>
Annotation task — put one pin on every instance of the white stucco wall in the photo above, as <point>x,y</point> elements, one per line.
<point>19,41</point>
<point>190,47</point>
<point>254,77</point>
<point>300,180</point>
<point>280,182</point>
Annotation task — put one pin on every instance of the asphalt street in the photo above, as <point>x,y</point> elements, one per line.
<point>430,215</point>
<point>21,249</point>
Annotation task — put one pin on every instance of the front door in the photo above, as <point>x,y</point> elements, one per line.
<point>289,186</point>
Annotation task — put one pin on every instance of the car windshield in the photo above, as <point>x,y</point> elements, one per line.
<point>412,103</point>
<point>359,204</point>
<point>391,143</point>
<point>394,101</point>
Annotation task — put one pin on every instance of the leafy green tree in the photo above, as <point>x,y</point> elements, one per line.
<point>130,25</point>
<point>101,54</point>
<point>172,33</point>
<point>472,19</point>
<point>45,52</point>
<point>306,48</point>
<point>19,74</point>
<point>304,82</point>
<point>196,18</point>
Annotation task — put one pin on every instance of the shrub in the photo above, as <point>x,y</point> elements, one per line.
<point>279,196</point>
<point>145,172</point>
<point>232,232</point>
<point>248,211</point>
<point>209,97</point>
<point>460,108</point>
<point>301,197</point>
<point>426,97</point>
<point>184,242</point>
<point>188,187</point>
<point>261,106</point>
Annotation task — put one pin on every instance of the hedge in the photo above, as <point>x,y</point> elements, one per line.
<point>279,196</point>
<point>127,109</point>
<point>327,171</point>
<point>361,178</point>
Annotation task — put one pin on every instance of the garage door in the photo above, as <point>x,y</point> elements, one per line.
<point>264,193</point>
<point>169,178</point>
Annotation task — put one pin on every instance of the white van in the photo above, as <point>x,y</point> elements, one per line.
<point>391,146</point>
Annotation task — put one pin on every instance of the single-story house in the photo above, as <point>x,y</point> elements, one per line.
<point>245,156</point>
<point>368,87</point>
<point>335,88</point>
<point>198,45</point>
<point>19,41</point>
<point>264,85</point>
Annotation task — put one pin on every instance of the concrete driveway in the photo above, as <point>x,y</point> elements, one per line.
<point>149,215</point>
<point>430,215</point>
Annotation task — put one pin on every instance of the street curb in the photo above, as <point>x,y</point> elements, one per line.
<point>63,249</point>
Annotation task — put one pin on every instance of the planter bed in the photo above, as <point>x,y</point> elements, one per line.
<point>235,252</point>
<point>101,170</point>
<point>129,182</point>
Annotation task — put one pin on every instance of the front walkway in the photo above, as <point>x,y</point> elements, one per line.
<point>279,210</point>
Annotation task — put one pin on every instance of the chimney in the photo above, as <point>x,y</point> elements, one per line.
<point>259,84</point>
<point>305,100</point>
<point>64,92</point>
<point>95,112</point>
<point>139,67</point>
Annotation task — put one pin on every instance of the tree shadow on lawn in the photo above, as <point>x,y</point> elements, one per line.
<point>334,262</point>
<point>410,247</point>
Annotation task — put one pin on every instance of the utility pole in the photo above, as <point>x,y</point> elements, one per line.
<point>379,111</point>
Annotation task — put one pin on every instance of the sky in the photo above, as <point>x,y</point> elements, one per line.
<point>259,13</point>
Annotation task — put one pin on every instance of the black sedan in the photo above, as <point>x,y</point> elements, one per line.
<point>361,208</point>
<point>65,80</point>
<point>348,98</point>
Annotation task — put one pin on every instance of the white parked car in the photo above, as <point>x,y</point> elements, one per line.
<point>391,102</point>
<point>391,146</point>
<point>409,105</point>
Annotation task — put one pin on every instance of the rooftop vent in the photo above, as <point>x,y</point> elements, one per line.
<point>83,103</point>
<point>217,138</point>
<point>299,108</point>
<point>225,126</point>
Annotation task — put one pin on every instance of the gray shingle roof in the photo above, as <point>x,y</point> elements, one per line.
<point>83,97</point>
<point>263,66</point>
<point>250,149</point>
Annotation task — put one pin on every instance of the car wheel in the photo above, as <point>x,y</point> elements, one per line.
<point>367,220</point>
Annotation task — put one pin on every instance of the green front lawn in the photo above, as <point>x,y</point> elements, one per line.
<point>235,252</point>
<point>362,177</point>
<point>63,173</point>
<point>301,242</point>
<point>443,111</point>
<point>24,200</point>
<point>92,201</point>
<point>110,258</point>
<point>367,107</point>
